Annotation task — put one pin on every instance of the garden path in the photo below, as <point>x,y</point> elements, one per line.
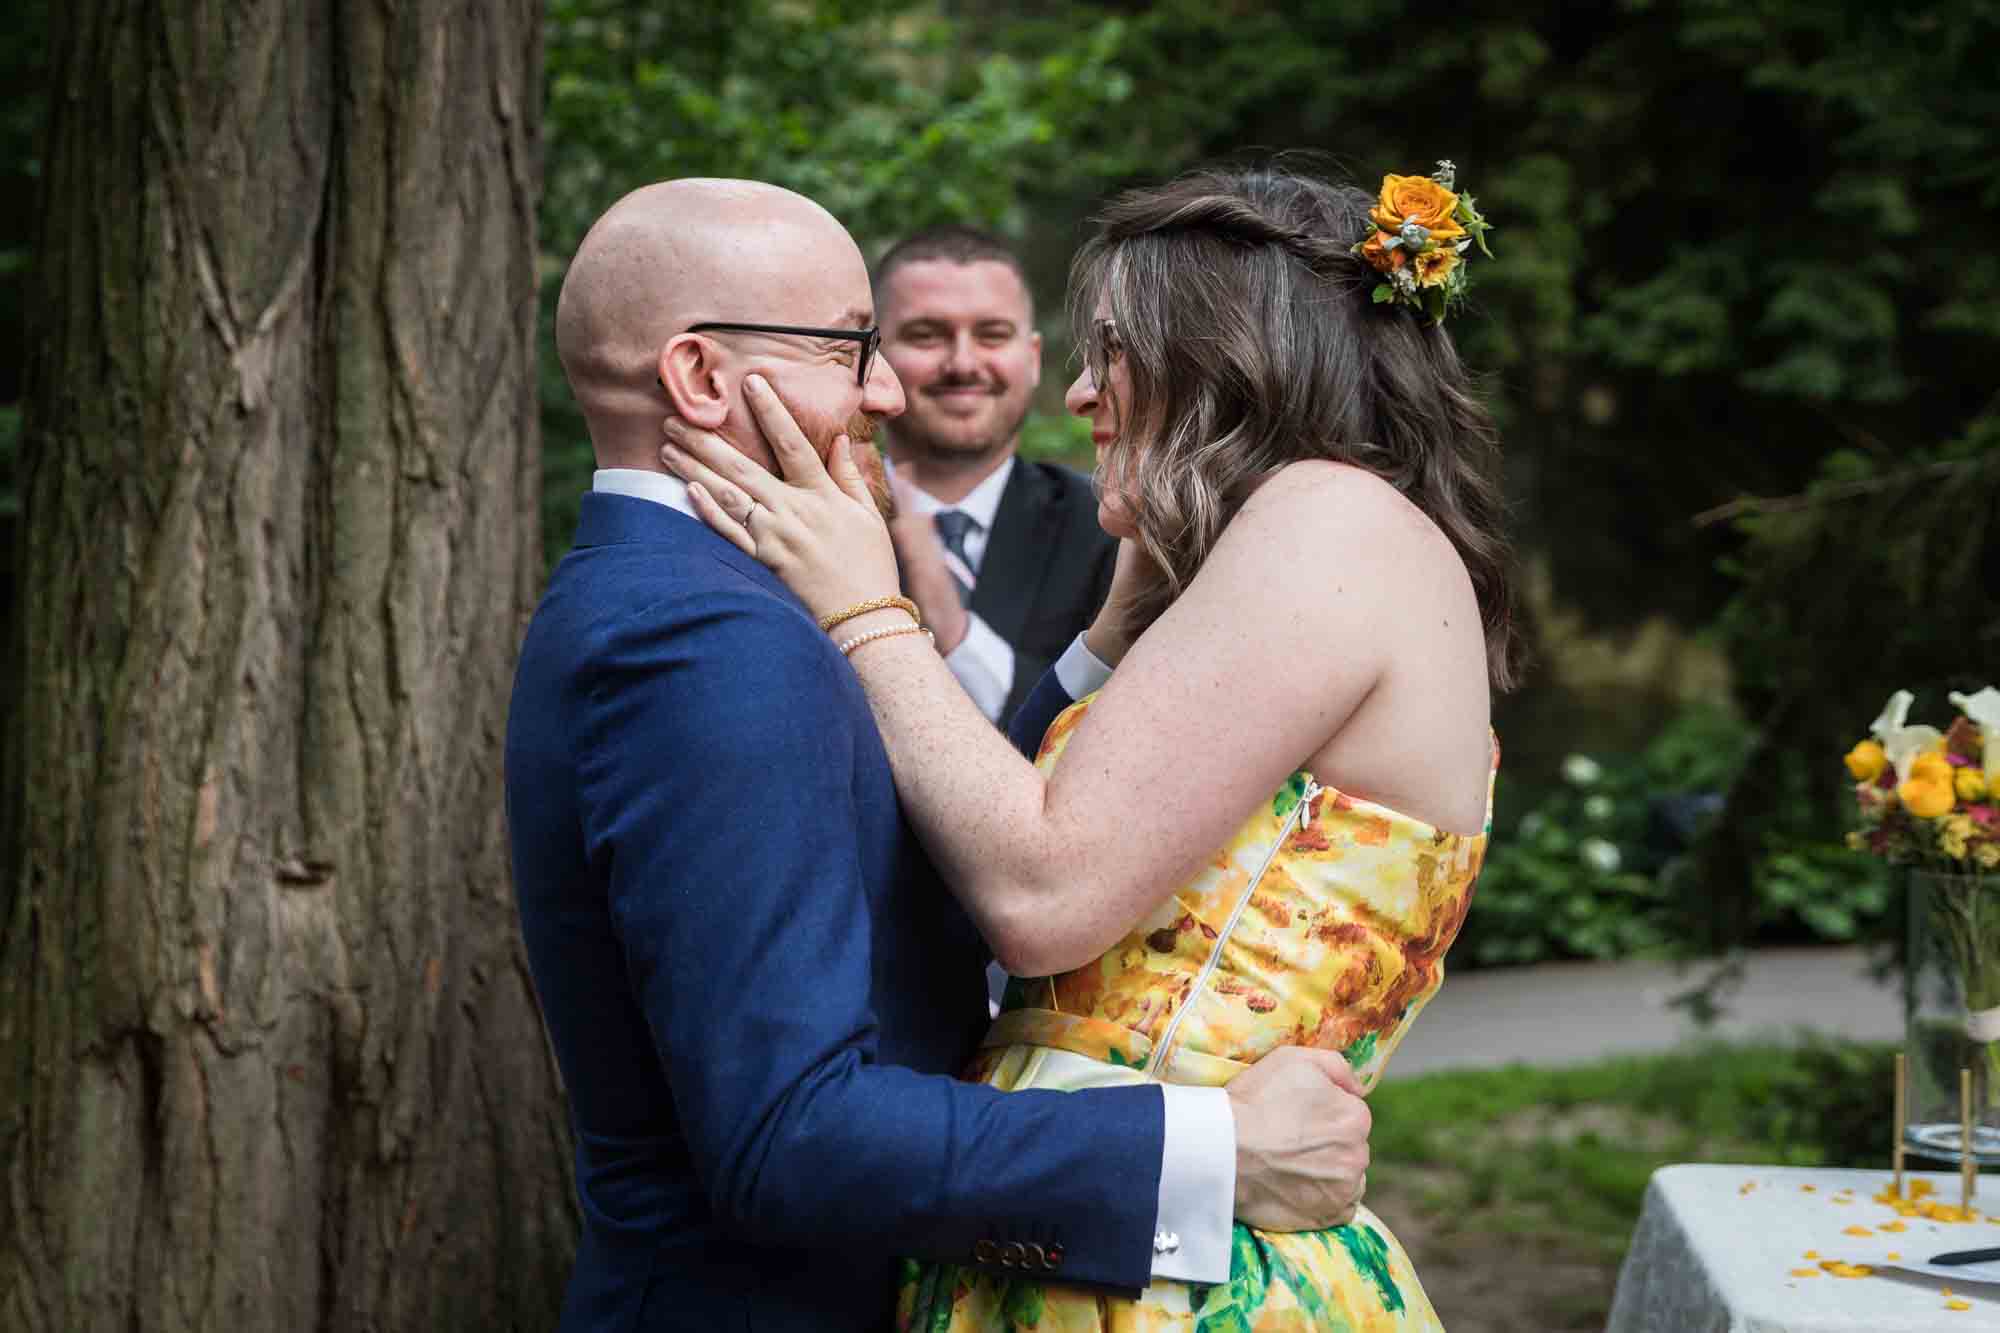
<point>1574,1013</point>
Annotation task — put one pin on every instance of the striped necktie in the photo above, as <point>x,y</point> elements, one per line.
<point>952,526</point>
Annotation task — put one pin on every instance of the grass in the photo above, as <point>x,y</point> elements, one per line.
<point>1563,1155</point>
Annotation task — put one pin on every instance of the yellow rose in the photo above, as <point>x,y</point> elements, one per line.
<point>1931,766</point>
<point>1435,266</point>
<point>1952,844</point>
<point>1926,797</point>
<point>1417,199</point>
<point>1866,761</point>
<point>1969,783</point>
<point>1987,855</point>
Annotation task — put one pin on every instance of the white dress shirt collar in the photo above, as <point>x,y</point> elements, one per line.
<point>659,487</point>
<point>981,503</point>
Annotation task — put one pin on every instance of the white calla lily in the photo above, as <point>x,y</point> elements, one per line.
<point>1984,710</point>
<point>1902,744</point>
<point>1893,714</point>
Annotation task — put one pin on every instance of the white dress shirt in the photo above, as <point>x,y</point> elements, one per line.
<point>983,662</point>
<point>1191,1242</point>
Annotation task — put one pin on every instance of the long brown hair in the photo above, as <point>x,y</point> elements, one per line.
<point>1252,341</point>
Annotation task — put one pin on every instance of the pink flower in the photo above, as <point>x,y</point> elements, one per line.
<point>1983,814</point>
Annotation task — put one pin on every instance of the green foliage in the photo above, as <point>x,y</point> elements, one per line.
<point>1599,867</point>
<point>1060,439</point>
<point>10,450</point>
<point>875,108</point>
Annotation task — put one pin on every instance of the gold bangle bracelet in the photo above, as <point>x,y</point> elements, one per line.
<point>827,622</point>
<point>847,646</point>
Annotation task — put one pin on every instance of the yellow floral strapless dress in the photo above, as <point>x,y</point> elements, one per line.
<point>1322,923</point>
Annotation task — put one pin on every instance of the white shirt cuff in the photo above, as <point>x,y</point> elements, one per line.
<point>1191,1240</point>
<point>1079,671</point>
<point>984,664</point>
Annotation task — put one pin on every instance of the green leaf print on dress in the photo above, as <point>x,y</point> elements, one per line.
<point>1370,1253</point>
<point>1234,1306</point>
<point>1289,795</point>
<point>1360,1051</point>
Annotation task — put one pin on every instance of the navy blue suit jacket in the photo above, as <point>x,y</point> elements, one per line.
<point>756,986</point>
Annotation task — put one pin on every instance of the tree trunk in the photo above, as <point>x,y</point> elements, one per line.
<point>269,1053</point>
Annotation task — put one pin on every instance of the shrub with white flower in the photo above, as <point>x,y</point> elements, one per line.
<point>1580,770</point>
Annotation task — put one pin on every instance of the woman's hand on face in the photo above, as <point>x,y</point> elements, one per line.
<point>1111,634</point>
<point>814,526</point>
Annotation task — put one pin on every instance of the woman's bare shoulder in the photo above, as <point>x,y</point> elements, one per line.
<point>1338,510</point>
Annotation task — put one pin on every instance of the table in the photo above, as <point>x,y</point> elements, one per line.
<point>1721,1249</point>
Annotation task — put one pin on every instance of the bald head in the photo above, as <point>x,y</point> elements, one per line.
<point>682,252</point>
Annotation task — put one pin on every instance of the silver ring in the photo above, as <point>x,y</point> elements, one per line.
<point>749,513</point>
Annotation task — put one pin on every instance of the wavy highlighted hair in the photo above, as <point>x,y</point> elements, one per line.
<point>1252,341</point>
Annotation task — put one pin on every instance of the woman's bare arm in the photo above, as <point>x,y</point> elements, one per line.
<point>1290,625</point>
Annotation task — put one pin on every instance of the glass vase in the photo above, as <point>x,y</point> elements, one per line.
<point>1952,1014</point>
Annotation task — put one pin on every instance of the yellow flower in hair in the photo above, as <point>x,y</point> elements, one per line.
<point>1867,760</point>
<point>1969,783</point>
<point>1417,199</point>
<point>1434,266</point>
<point>1380,257</point>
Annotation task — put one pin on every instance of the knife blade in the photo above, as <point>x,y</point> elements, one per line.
<point>1965,1257</point>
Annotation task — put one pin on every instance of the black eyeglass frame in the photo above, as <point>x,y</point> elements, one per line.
<point>1102,348</point>
<point>870,339</point>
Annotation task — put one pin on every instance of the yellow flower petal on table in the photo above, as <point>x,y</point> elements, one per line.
<point>1867,760</point>
<point>1956,1305</point>
<point>1894,1254</point>
<point>1919,1188</point>
<point>1837,1199</point>
<point>1809,1189</point>
<point>1894,1226</point>
<point>1805,1272</point>
<point>1856,1231</point>
<point>1839,1269</point>
<point>1810,1254</point>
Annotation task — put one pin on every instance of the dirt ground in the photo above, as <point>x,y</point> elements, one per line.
<point>1482,1282</point>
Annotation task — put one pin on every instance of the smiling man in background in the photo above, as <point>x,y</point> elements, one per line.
<point>1003,554</point>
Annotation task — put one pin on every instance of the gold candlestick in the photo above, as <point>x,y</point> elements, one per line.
<point>1902,1115</point>
<point>1967,1168</point>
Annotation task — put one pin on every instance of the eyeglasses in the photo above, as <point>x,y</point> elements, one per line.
<point>1102,348</point>
<point>870,339</point>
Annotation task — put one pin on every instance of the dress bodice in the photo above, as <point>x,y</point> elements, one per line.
<point>1323,922</point>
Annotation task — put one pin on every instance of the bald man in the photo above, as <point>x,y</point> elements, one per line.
<point>754,983</point>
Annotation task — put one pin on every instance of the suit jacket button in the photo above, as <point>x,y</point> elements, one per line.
<point>1052,1257</point>
<point>986,1252</point>
<point>1012,1253</point>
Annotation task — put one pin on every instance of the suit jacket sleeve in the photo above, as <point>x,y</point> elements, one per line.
<point>721,793</point>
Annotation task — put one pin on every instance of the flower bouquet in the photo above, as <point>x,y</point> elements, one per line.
<point>1929,800</point>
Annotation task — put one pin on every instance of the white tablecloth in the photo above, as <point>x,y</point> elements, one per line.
<point>1710,1256</point>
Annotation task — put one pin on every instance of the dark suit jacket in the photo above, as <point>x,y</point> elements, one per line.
<point>1046,568</point>
<point>755,985</point>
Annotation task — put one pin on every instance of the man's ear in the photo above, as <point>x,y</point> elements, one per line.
<point>1035,359</point>
<point>694,380</point>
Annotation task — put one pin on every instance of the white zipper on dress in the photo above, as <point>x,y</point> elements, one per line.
<point>1295,818</point>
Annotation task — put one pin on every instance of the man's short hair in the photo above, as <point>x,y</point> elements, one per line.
<point>957,244</point>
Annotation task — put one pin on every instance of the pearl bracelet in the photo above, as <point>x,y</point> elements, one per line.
<point>849,645</point>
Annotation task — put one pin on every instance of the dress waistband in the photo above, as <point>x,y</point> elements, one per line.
<point>1108,1043</point>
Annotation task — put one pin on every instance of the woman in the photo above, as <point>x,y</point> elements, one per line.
<point>1264,829</point>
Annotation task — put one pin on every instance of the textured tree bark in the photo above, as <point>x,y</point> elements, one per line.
<point>269,1053</point>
